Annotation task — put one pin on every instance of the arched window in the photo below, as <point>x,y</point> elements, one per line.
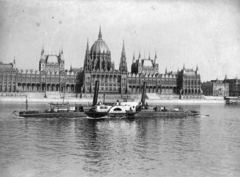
<point>117,109</point>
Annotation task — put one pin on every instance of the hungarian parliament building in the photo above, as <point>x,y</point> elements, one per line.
<point>53,77</point>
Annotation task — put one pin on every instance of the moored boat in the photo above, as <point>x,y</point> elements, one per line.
<point>145,111</point>
<point>57,110</point>
<point>232,100</point>
<point>162,112</point>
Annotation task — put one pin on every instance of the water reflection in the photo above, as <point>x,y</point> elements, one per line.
<point>139,147</point>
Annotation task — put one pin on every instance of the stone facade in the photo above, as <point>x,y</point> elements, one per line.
<point>98,66</point>
<point>53,77</point>
<point>189,84</point>
<point>156,82</point>
<point>215,88</point>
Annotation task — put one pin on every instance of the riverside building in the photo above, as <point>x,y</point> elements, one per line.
<point>98,65</point>
<point>215,88</point>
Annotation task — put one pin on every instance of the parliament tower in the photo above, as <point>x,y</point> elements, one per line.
<point>98,66</point>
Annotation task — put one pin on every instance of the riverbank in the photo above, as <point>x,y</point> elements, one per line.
<point>89,100</point>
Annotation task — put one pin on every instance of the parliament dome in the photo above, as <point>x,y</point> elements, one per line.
<point>99,47</point>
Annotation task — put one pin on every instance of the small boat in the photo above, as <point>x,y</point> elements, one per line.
<point>232,100</point>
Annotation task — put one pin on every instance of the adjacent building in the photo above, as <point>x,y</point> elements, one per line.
<point>215,88</point>
<point>225,87</point>
<point>234,86</point>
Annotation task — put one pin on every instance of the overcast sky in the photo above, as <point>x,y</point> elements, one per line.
<point>204,32</point>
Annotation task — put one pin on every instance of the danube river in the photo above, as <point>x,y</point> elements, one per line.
<point>200,146</point>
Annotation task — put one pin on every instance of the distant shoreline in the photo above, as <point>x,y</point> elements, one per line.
<point>88,100</point>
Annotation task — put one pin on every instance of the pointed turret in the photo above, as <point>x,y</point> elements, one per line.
<point>123,62</point>
<point>113,66</point>
<point>197,68</point>
<point>62,50</point>
<point>133,61</point>
<point>155,58</point>
<point>100,33</point>
<point>225,77</point>
<point>42,51</point>
<point>87,49</point>
<point>166,71</point>
<point>61,53</point>
<point>87,60</point>
<point>149,56</point>
<point>14,63</point>
<point>123,49</point>
<point>184,66</point>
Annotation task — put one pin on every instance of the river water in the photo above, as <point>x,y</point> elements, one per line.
<point>200,146</point>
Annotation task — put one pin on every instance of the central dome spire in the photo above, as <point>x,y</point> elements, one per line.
<point>99,47</point>
<point>100,33</point>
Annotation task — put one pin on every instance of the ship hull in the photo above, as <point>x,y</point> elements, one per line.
<point>155,114</point>
<point>106,115</point>
<point>52,115</point>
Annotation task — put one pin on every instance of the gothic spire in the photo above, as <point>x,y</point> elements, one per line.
<point>226,77</point>
<point>155,58</point>
<point>113,65</point>
<point>42,52</point>
<point>62,49</point>
<point>166,70</point>
<point>133,58</point>
<point>100,33</point>
<point>14,62</point>
<point>123,49</point>
<point>123,62</point>
<point>87,49</point>
<point>184,66</point>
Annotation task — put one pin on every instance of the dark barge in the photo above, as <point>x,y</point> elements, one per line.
<point>145,111</point>
<point>62,110</point>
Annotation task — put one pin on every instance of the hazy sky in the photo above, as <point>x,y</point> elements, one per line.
<point>204,32</point>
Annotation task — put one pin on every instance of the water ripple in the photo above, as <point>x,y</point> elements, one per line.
<point>203,146</point>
